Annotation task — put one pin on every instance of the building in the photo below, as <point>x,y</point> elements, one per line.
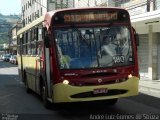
<point>145,17</point>
<point>33,9</point>
<point>13,38</point>
<point>93,3</point>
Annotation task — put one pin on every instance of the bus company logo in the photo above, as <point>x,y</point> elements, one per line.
<point>100,80</point>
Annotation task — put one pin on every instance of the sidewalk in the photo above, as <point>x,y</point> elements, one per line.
<point>150,87</point>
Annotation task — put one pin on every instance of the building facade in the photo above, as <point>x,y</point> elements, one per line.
<point>93,3</point>
<point>13,38</point>
<point>145,19</point>
<point>33,9</point>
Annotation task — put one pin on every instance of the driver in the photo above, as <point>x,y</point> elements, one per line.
<point>107,47</point>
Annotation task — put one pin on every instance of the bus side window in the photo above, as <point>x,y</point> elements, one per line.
<point>40,33</point>
<point>39,49</point>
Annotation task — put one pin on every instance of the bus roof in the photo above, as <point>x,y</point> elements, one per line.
<point>51,13</point>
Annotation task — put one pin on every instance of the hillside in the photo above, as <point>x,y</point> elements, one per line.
<point>6,22</point>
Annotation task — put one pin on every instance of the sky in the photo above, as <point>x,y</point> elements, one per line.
<point>8,7</point>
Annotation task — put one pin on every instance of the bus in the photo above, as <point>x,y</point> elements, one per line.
<point>79,55</point>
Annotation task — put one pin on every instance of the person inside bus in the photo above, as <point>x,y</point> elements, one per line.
<point>121,41</point>
<point>107,47</point>
<point>106,52</point>
<point>63,59</point>
<point>85,46</point>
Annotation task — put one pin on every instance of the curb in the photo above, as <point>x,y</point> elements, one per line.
<point>155,92</point>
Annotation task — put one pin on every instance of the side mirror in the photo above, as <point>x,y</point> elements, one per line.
<point>47,41</point>
<point>137,39</point>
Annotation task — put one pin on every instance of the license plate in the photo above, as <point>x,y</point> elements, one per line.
<point>100,91</point>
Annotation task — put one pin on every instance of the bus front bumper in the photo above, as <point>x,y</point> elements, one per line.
<point>68,93</point>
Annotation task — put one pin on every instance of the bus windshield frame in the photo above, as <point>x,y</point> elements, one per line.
<point>93,32</point>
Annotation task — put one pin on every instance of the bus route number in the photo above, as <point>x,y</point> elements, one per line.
<point>119,59</point>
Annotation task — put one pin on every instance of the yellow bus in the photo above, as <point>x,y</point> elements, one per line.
<point>77,55</point>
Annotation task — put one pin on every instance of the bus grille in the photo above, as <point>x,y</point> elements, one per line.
<point>90,94</point>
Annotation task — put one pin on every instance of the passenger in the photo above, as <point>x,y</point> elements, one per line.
<point>64,59</point>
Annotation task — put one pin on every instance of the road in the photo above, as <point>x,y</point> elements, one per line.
<point>16,103</point>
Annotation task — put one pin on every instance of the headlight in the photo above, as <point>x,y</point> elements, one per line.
<point>66,82</point>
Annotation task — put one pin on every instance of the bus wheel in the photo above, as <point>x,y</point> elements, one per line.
<point>112,101</point>
<point>46,103</point>
<point>28,90</point>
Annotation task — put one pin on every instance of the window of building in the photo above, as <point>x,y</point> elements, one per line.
<point>32,1</point>
<point>23,21</point>
<point>32,16</point>
<point>41,11</point>
<point>37,14</point>
<point>26,6</point>
<point>29,3</point>
<point>22,9</point>
<point>26,21</point>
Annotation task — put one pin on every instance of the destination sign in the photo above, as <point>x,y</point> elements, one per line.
<point>91,17</point>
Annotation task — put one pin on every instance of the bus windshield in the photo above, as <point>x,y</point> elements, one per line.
<point>93,47</point>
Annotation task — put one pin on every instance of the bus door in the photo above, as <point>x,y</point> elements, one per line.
<point>42,66</point>
<point>39,66</point>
